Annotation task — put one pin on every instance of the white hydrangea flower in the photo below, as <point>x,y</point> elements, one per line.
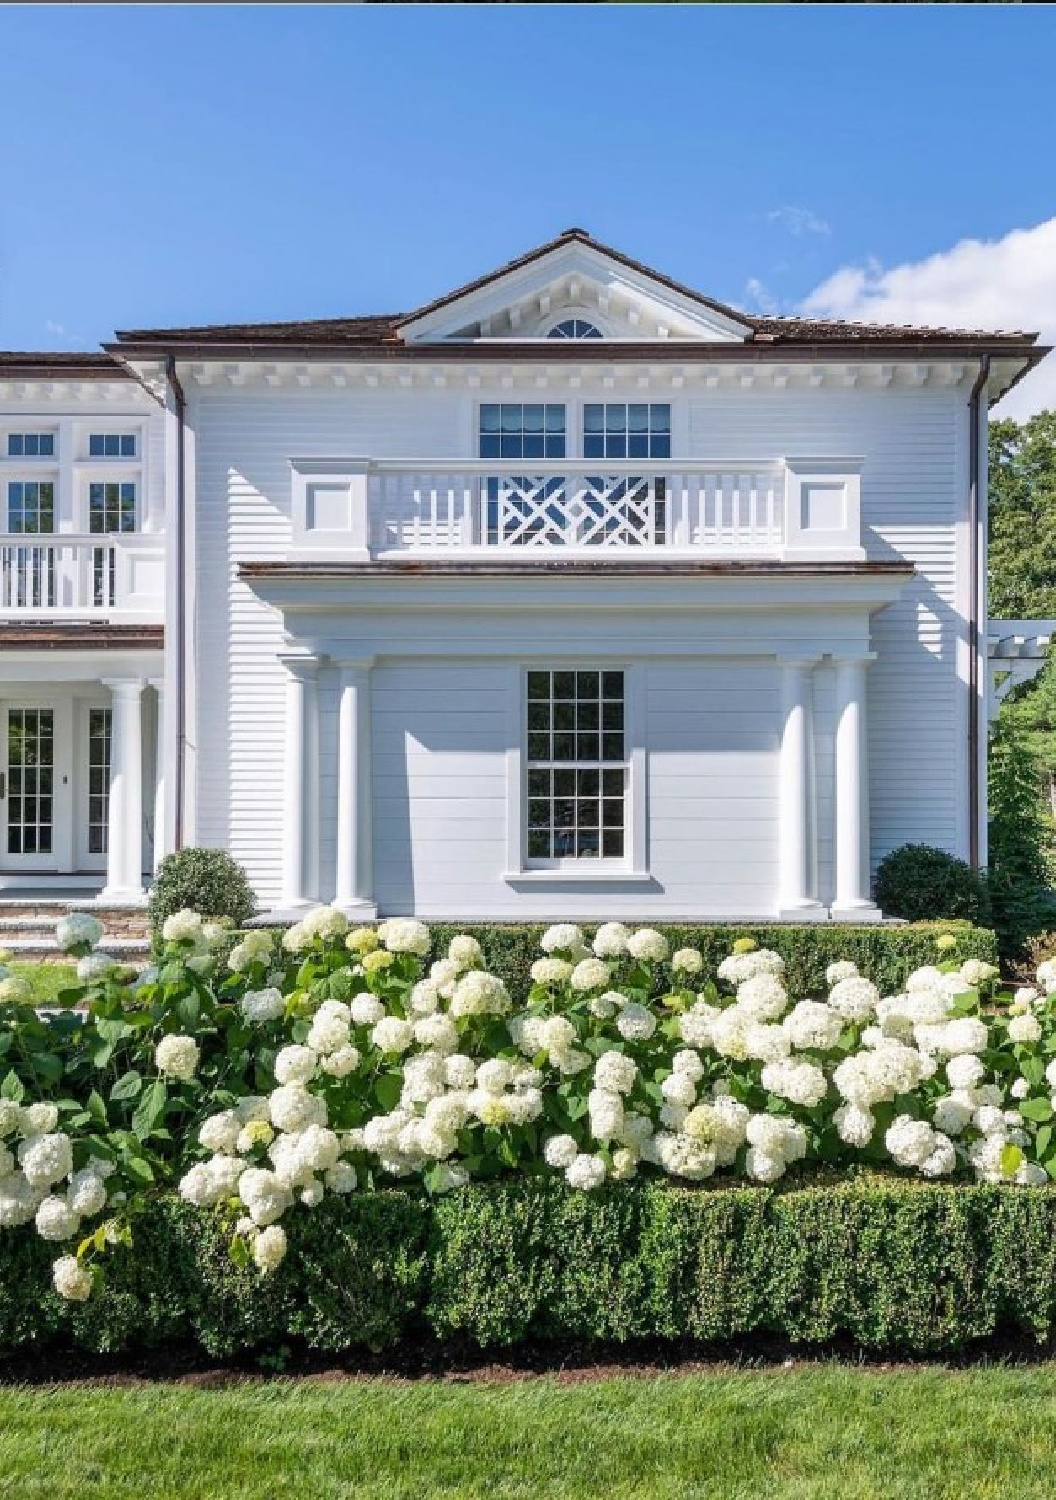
<point>465,951</point>
<point>635,1023</point>
<point>842,969</point>
<point>610,940</point>
<point>764,996</point>
<point>56,1220</point>
<point>330,1027</point>
<point>71,1280</point>
<point>975,972</point>
<point>392,1034</point>
<point>854,998</point>
<point>648,945</point>
<point>405,935</point>
<point>177,1056</point>
<point>589,974</point>
<point>293,1108</point>
<point>436,1031</point>
<point>324,923</point>
<point>183,926</point>
<point>687,961</point>
<point>255,947</point>
<point>78,932</point>
<point>800,1082</point>
<point>459,1071</point>
<point>46,1159</point>
<point>1046,974</point>
<point>479,994</point>
<point>424,998</point>
<point>952,1113</point>
<point>296,1064</point>
<point>565,937</point>
<point>1024,1029</point>
<point>38,1119</point>
<point>18,1200</point>
<point>366,1009</point>
<point>220,1131</point>
<point>909,1141</point>
<point>680,1089</point>
<point>740,967</point>
<point>551,971</point>
<point>812,1026</point>
<point>86,1194</point>
<point>560,1151</point>
<point>264,1196</point>
<point>688,1062</point>
<point>606,1114</point>
<point>854,1125</point>
<point>585,1173</point>
<point>11,1117</point>
<point>615,1072</point>
<point>269,1247</point>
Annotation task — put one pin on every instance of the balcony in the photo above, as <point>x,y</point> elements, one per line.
<point>366,509</point>
<point>66,577</point>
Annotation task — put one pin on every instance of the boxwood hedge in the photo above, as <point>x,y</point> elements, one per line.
<point>884,953</point>
<point>890,1264</point>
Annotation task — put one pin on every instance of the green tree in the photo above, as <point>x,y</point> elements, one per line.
<point>1020,843</point>
<point>1022,507</point>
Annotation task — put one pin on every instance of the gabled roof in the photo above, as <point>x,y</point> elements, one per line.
<point>28,364</point>
<point>383,333</point>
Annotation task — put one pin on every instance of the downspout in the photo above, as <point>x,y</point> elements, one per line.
<point>179,692</point>
<point>975,602</point>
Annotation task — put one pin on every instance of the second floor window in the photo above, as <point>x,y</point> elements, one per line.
<point>522,430</point>
<point>112,445</point>
<point>634,430</point>
<point>576,767</point>
<point>31,507</point>
<point>111,507</point>
<point>31,445</point>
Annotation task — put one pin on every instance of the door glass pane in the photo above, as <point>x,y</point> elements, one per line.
<point>98,780</point>
<point>30,780</point>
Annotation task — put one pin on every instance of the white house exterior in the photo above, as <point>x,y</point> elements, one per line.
<point>575,592</point>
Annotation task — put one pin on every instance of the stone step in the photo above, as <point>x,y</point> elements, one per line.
<point>44,950</point>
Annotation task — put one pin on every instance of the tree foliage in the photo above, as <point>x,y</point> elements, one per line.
<point>1020,843</point>
<point>1022,489</point>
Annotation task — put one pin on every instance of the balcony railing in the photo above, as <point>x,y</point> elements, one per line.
<point>580,505</point>
<point>64,576</point>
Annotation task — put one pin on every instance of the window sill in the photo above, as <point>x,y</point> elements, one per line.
<point>573,876</point>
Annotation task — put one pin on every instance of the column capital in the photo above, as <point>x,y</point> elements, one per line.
<point>351,667</point>
<point>300,665</point>
<point>853,658</point>
<point>157,683</point>
<point>126,687</point>
<point>799,661</point>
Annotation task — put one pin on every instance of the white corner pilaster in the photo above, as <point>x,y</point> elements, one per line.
<point>853,902</point>
<point>160,845</point>
<point>124,859</point>
<point>300,778</point>
<point>354,876</point>
<point>796,898</point>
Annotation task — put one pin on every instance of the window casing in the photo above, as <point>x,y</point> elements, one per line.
<point>112,506</point>
<point>99,720</point>
<point>31,507</point>
<point>576,767</point>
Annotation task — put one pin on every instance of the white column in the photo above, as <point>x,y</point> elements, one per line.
<point>159,770</point>
<point>124,861</point>
<point>300,773</point>
<point>796,899</point>
<point>852,794</point>
<point>355,793</point>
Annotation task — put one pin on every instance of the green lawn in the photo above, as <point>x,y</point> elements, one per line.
<point>826,1432</point>
<point>46,980</point>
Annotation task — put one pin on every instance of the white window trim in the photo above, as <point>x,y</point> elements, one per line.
<point>633,867</point>
<point>574,419</point>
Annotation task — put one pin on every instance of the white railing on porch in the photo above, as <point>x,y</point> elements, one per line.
<point>592,503</point>
<point>63,575</point>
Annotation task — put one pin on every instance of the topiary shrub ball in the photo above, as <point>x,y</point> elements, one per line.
<point>918,881</point>
<point>208,881</point>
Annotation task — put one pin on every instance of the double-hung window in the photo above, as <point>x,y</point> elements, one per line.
<point>28,570</point>
<point>523,508</point>
<point>576,765</point>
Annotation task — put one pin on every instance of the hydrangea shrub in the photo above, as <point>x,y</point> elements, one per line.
<point>260,1077</point>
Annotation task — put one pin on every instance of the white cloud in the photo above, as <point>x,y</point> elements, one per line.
<point>798,220</point>
<point>1004,284</point>
<point>758,295</point>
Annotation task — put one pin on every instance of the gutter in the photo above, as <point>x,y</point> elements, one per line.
<point>974,605</point>
<point>179,689</point>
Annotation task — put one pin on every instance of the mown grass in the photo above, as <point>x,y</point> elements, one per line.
<point>825,1432</point>
<point>45,979</point>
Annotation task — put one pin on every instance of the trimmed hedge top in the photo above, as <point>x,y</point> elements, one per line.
<point>885,953</point>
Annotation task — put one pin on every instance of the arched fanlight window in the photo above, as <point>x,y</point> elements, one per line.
<point>574,328</point>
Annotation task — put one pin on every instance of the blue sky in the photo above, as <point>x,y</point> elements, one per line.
<point>189,164</point>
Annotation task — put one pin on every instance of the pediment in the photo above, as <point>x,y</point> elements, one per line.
<point>574,278</point>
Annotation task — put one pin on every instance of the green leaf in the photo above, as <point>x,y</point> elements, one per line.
<point>239,1252</point>
<point>1011,1160</point>
<point>1043,1140</point>
<point>150,1108</point>
<point>1036,1109</point>
<point>127,1086</point>
<point>113,1031</point>
<point>139,1169</point>
<point>11,1088</point>
<point>387,1089</point>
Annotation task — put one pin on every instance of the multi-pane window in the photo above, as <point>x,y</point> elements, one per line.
<point>31,506</point>
<point>639,429</point>
<point>516,430</point>
<point>31,445</point>
<point>574,328</point>
<point>112,506</point>
<point>30,774</point>
<point>576,767</point>
<point>112,445</point>
<point>98,780</point>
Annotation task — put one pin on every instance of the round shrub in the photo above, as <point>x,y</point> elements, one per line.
<point>207,880</point>
<point>918,881</point>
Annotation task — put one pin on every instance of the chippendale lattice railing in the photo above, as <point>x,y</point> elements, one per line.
<point>735,508</point>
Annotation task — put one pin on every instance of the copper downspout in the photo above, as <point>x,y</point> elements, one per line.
<point>975,602</point>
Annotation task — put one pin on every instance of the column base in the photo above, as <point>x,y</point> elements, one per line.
<point>358,911</point>
<point>805,911</point>
<point>856,911</point>
<point>121,895</point>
